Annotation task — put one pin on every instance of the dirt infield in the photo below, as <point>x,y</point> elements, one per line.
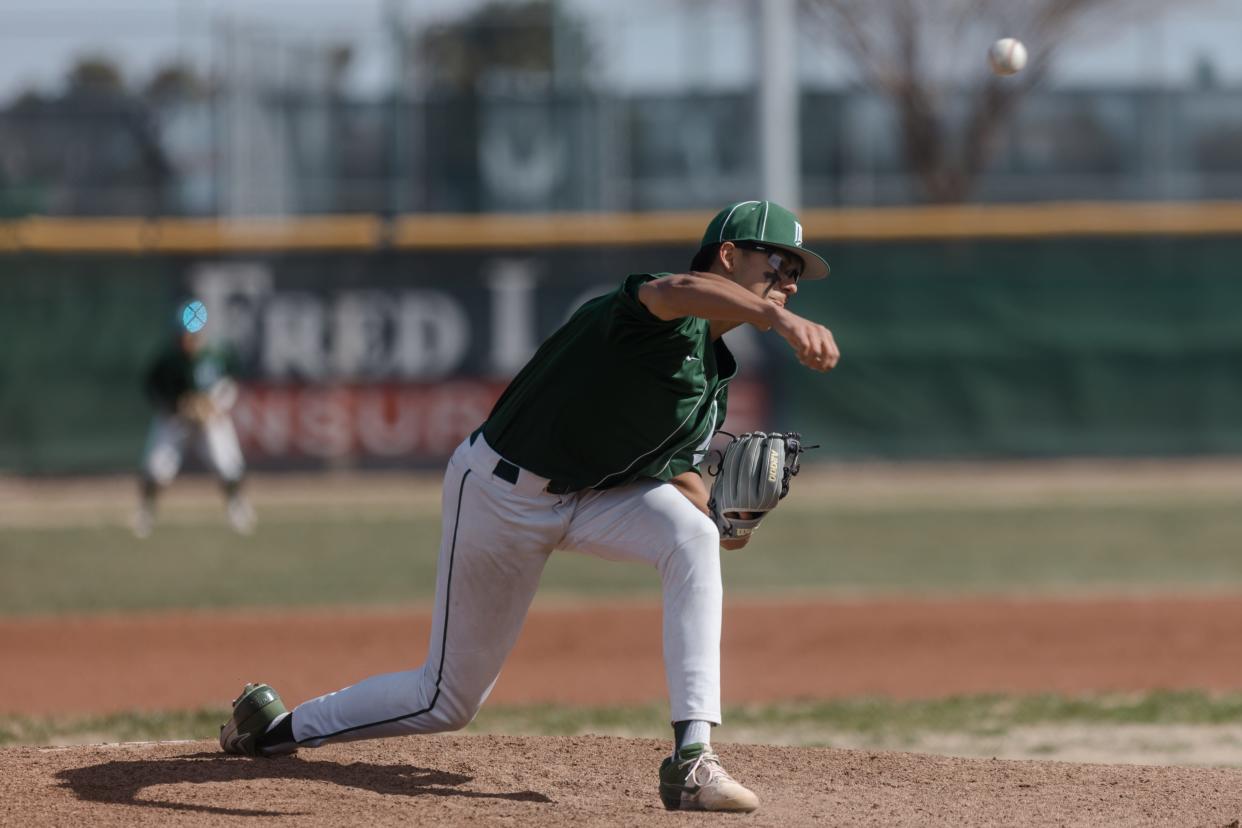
<point>514,781</point>
<point>606,655</point>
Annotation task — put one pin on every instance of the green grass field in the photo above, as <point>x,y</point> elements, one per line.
<point>1160,727</point>
<point>1121,533</point>
<point>305,558</point>
<point>979,714</point>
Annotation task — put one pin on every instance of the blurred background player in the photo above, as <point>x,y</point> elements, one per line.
<point>190,384</point>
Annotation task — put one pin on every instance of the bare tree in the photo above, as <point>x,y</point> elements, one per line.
<point>95,75</point>
<point>526,39</point>
<point>928,58</point>
<point>94,149</point>
<point>175,81</point>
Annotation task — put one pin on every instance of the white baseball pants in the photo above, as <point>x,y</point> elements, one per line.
<point>496,538</point>
<point>216,441</point>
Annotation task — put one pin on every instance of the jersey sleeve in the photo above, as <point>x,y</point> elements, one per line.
<point>629,305</point>
<point>630,321</point>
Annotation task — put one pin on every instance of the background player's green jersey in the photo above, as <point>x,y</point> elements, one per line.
<point>176,372</point>
<point>614,395</point>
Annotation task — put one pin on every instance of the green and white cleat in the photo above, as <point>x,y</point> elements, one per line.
<point>253,713</point>
<point>694,780</point>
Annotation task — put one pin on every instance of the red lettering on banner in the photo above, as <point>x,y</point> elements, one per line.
<point>387,424</point>
<point>322,427</point>
<point>378,422</point>
<point>267,421</point>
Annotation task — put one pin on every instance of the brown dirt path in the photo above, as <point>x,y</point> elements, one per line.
<point>610,654</point>
<point>517,781</point>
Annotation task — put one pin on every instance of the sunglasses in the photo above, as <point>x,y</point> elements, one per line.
<point>778,259</point>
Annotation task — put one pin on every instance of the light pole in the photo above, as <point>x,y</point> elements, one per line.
<point>779,145</point>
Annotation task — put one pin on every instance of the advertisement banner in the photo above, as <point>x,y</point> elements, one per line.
<point>387,357</point>
<point>346,359</point>
<point>394,424</point>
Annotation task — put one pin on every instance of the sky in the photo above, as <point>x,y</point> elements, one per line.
<point>642,45</point>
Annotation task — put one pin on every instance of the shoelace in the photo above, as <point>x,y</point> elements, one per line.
<point>710,762</point>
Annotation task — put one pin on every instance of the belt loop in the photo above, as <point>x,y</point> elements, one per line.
<point>506,471</point>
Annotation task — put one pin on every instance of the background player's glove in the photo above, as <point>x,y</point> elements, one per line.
<point>196,407</point>
<point>754,474</point>
<point>223,395</point>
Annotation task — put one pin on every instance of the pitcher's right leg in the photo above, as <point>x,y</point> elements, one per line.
<point>494,545</point>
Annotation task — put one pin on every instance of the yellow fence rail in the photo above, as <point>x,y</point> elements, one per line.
<point>526,231</point>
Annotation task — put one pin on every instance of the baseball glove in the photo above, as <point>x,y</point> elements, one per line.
<point>196,407</point>
<point>754,475</point>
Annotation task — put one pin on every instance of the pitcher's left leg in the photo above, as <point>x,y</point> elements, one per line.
<point>654,523</point>
<point>693,598</point>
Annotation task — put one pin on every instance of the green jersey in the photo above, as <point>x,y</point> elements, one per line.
<point>176,372</point>
<point>614,395</point>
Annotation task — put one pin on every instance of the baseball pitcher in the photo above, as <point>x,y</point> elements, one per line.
<point>595,447</point>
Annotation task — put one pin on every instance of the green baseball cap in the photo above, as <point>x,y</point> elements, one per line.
<point>766,223</point>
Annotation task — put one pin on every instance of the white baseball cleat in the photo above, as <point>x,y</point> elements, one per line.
<point>142,523</point>
<point>241,516</point>
<point>694,780</point>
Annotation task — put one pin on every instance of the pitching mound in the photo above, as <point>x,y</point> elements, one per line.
<point>514,781</point>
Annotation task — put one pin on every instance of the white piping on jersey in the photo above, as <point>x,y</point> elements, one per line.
<point>721,384</point>
<point>711,426</point>
<point>706,385</point>
<point>725,223</point>
<point>764,225</point>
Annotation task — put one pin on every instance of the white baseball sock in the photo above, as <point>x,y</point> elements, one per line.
<point>696,732</point>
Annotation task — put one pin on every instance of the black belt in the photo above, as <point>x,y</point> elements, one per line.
<point>509,472</point>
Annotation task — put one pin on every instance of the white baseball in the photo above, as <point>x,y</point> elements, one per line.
<point>1007,56</point>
